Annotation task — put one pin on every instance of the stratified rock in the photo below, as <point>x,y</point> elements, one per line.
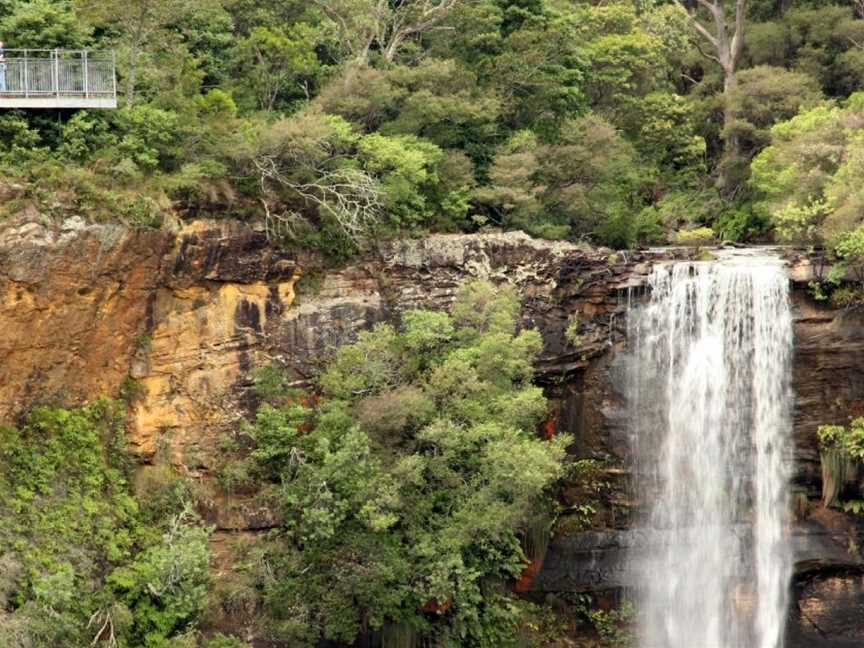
<point>188,316</point>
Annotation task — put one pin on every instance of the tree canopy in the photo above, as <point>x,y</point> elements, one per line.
<point>618,123</point>
<point>405,490</point>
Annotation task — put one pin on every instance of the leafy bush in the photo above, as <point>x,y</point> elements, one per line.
<point>695,237</point>
<point>237,477</point>
<point>841,450</point>
<point>77,546</point>
<point>419,507</point>
<point>221,641</point>
<point>165,586</point>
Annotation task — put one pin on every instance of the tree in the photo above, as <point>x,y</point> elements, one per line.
<point>42,24</point>
<point>569,188</point>
<point>84,560</point>
<point>540,75</point>
<point>404,490</point>
<point>278,64</point>
<point>364,24</point>
<point>138,24</point>
<point>810,177</point>
<point>303,166</point>
<point>765,95</point>
<point>727,42</point>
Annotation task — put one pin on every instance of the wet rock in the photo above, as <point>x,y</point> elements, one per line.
<point>828,609</point>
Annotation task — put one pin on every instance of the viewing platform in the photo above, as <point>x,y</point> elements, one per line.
<point>57,79</point>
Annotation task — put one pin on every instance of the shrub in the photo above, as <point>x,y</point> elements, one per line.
<point>695,237</point>
<point>407,487</point>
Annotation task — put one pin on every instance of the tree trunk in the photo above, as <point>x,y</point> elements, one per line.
<point>393,47</point>
<point>731,140</point>
<point>727,47</point>
<point>133,73</point>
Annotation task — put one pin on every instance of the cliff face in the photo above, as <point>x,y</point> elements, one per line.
<point>178,322</point>
<point>72,301</point>
<point>87,308</point>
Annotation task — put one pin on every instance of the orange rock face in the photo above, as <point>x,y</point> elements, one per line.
<point>183,317</point>
<point>71,304</point>
<point>202,341</point>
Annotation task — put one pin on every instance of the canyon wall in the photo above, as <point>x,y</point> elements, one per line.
<point>177,322</point>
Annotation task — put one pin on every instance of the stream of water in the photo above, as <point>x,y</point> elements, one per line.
<point>709,388</point>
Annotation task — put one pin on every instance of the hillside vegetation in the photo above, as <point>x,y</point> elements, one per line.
<point>411,495</point>
<point>341,121</point>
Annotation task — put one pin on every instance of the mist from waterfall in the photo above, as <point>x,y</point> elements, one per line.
<point>708,384</point>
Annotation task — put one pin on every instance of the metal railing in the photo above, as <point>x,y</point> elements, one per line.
<point>57,73</point>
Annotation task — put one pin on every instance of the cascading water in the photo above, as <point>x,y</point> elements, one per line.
<point>710,397</point>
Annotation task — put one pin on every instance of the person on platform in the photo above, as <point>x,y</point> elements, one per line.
<point>2,69</point>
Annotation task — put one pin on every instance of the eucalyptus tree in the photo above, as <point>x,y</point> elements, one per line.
<point>724,32</point>
<point>364,24</point>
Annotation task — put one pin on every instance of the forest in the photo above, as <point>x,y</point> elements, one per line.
<point>411,485</point>
<point>337,122</point>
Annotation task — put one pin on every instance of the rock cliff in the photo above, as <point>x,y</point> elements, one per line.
<point>178,321</point>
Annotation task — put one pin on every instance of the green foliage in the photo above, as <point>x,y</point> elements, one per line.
<point>574,188</point>
<point>405,489</point>
<point>809,174</point>
<point>841,451</point>
<point>78,547</point>
<point>42,493</point>
<point>131,391</point>
<point>337,123</point>
<point>741,224</point>
<point>270,383</point>
<point>627,60</point>
<point>766,95</point>
<point>856,507</point>
<point>848,439</point>
<point>165,586</point>
<point>222,641</point>
<point>613,626</point>
<point>695,237</point>
<point>149,136</point>
<point>43,24</point>
<point>237,477</point>
<point>278,66</point>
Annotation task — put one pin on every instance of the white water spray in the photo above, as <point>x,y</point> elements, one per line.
<point>709,388</point>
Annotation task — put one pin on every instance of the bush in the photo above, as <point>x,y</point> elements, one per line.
<point>149,136</point>
<point>165,586</point>
<point>406,487</point>
<point>237,477</point>
<point>741,224</point>
<point>221,641</point>
<point>77,546</point>
<point>695,237</point>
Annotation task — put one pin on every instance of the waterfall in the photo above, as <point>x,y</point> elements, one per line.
<point>708,384</point>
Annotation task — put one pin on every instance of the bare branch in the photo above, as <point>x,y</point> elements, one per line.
<point>697,25</point>
<point>384,24</point>
<point>351,197</point>
<point>705,54</point>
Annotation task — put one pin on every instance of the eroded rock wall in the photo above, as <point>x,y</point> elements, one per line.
<point>72,302</point>
<point>181,319</point>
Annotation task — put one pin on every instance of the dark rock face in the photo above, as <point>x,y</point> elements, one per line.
<point>827,610</point>
<point>828,376</point>
<point>828,380</point>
